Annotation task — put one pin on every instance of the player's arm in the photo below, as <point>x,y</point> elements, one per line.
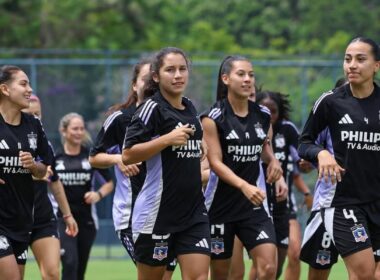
<point>143,151</point>
<point>38,169</point>
<point>309,150</point>
<point>58,191</point>
<point>274,170</point>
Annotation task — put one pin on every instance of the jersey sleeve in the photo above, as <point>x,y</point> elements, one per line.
<point>293,136</point>
<point>315,124</point>
<point>107,137</point>
<point>43,148</point>
<point>144,125</point>
<point>102,176</point>
<point>54,177</point>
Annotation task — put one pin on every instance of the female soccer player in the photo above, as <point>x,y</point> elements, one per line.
<point>285,143</point>
<point>236,132</point>
<point>106,152</point>
<point>77,177</point>
<point>44,237</point>
<point>24,152</point>
<point>169,217</point>
<point>348,171</point>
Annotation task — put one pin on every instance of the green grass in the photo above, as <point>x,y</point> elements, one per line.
<point>121,268</point>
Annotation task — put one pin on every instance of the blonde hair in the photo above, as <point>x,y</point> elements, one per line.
<point>64,123</point>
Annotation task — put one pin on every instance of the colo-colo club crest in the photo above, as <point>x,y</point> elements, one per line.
<point>32,139</point>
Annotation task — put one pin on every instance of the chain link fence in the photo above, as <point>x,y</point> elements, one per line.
<point>90,86</point>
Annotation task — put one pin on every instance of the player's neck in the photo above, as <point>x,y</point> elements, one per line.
<point>10,115</point>
<point>71,149</point>
<point>362,90</point>
<point>239,106</point>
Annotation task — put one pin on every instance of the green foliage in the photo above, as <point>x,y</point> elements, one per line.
<point>271,26</point>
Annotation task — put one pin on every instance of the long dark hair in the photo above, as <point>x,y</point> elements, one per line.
<point>132,95</point>
<point>225,68</point>
<point>282,101</point>
<point>150,86</point>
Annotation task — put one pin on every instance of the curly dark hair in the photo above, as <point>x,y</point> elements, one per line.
<point>282,101</point>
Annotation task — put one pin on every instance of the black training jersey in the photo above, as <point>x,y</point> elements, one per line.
<point>285,144</point>
<point>241,141</point>
<point>110,140</point>
<point>17,194</point>
<point>352,125</point>
<point>77,177</point>
<point>43,210</point>
<point>171,198</point>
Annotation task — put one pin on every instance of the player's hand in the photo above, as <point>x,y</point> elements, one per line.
<point>130,169</point>
<point>274,171</point>
<point>71,226</point>
<point>254,194</point>
<point>2,182</point>
<point>91,197</point>
<point>308,201</point>
<point>329,168</point>
<point>49,173</point>
<point>281,189</point>
<point>179,135</point>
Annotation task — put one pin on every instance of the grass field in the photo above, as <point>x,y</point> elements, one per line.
<point>121,268</point>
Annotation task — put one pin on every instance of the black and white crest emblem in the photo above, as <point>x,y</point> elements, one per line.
<point>259,131</point>
<point>279,140</point>
<point>32,139</point>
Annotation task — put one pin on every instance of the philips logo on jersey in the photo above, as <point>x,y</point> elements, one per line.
<point>358,140</point>
<point>12,165</point>
<point>3,145</point>
<point>75,178</point>
<point>244,153</point>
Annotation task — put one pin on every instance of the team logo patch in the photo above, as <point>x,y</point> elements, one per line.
<point>217,246</point>
<point>279,141</point>
<point>86,164</point>
<point>3,243</point>
<point>259,131</point>
<point>323,257</point>
<point>160,251</point>
<point>32,139</point>
<point>359,233</point>
<point>59,165</point>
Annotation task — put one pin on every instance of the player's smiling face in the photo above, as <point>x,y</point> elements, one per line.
<point>359,63</point>
<point>173,75</point>
<point>74,132</point>
<point>18,89</point>
<point>240,81</point>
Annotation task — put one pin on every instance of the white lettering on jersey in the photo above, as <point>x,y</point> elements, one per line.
<point>12,165</point>
<point>244,153</point>
<point>75,178</point>
<point>358,140</point>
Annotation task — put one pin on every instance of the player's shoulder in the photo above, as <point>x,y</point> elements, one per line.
<point>289,125</point>
<point>324,99</point>
<point>216,111</point>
